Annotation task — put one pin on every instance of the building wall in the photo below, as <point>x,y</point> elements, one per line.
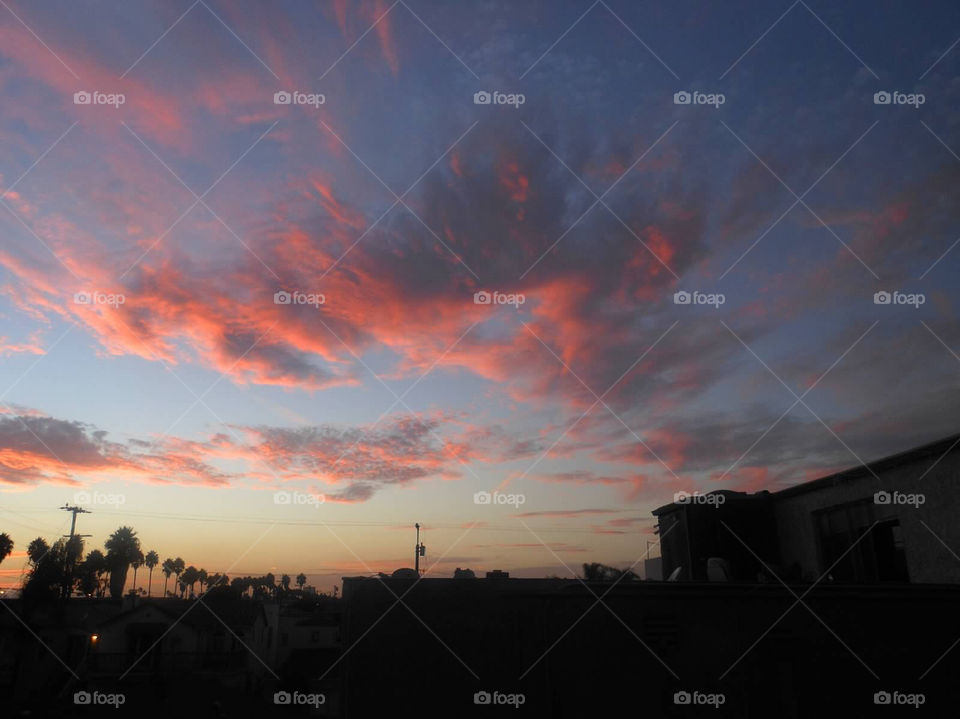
<point>740,530</point>
<point>927,559</point>
<point>114,637</point>
<point>674,547</point>
<point>653,569</point>
<point>541,638</point>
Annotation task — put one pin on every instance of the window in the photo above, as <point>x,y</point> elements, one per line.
<point>862,542</point>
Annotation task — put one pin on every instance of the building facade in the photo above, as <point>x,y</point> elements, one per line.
<point>892,520</point>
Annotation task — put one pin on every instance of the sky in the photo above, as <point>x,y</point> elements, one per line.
<point>257,330</point>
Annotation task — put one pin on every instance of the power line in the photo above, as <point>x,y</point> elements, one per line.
<point>341,523</point>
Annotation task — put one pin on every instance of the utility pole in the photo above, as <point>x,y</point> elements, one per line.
<point>68,569</point>
<point>73,521</point>
<point>419,551</point>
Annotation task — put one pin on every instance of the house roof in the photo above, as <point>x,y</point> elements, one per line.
<point>728,494</point>
<point>937,448</point>
<point>198,614</point>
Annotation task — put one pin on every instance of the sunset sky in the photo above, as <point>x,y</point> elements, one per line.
<point>183,410</point>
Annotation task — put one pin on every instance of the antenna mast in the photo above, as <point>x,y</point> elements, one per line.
<point>419,551</point>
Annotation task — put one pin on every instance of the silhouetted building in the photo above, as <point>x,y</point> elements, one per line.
<point>308,647</point>
<point>168,654</point>
<point>181,636</point>
<point>38,643</point>
<point>891,520</point>
<point>570,656</point>
<point>731,525</point>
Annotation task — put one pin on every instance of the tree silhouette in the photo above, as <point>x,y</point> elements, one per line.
<point>6,546</point>
<point>218,586</point>
<point>596,572</point>
<point>178,567</point>
<point>190,576</point>
<point>285,583</point>
<point>36,549</point>
<point>202,577</point>
<point>103,570</point>
<point>123,548</point>
<point>47,577</point>
<point>217,580</point>
<point>240,585</point>
<point>91,570</point>
<point>72,556</point>
<point>151,560</point>
<point>167,569</point>
<point>136,564</point>
<point>301,580</point>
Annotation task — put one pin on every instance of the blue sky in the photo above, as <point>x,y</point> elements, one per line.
<point>794,199</point>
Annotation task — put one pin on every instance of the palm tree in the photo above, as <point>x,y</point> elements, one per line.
<point>178,566</point>
<point>189,578</point>
<point>136,564</point>
<point>202,578</point>
<point>151,560</point>
<point>95,566</point>
<point>36,550</point>
<point>91,570</point>
<point>241,585</point>
<point>46,578</point>
<point>123,548</point>
<point>285,583</point>
<point>167,569</point>
<point>6,546</point>
<point>301,580</point>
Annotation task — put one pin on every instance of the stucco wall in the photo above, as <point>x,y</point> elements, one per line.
<point>927,558</point>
